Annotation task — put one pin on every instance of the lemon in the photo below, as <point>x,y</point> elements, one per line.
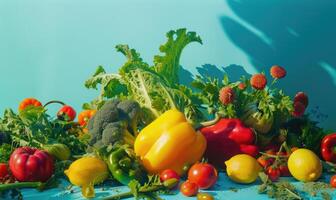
<point>304,165</point>
<point>86,172</point>
<point>243,168</point>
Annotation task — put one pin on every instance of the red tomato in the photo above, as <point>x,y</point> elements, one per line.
<point>3,170</point>
<point>204,196</point>
<point>284,170</point>
<point>265,162</point>
<point>30,164</point>
<point>189,189</point>
<point>203,174</point>
<point>273,173</point>
<point>333,181</point>
<point>271,152</point>
<point>168,174</point>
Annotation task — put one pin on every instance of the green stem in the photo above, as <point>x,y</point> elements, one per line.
<point>293,194</point>
<point>54,101</point>
<point>10,186</point>
<point>130,194</point>
<point>209,123</point>
<point>272,156</point>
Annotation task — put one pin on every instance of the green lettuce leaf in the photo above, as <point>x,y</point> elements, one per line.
<point>168,64</point>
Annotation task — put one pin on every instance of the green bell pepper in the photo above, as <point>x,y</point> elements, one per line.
<point>124,166</point>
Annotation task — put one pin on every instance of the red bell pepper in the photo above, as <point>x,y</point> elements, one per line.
<point>227,138</point>
<point>29,164</point>
<point>328,148</point>
<point>66,113</point>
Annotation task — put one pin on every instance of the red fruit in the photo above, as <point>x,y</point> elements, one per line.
<point>258,81</point>
<point>3,170</point>
<point>294,149</point>
<point>278,72</point>
<point>284,170</point>
<point>29,102</point>
<point>189,189</point>
<point>265,162</point>
<point>203,174</point>
<point>273,173</point>
<point>301,97</point>
<point>299,109</point>
<point>333,181</point>
<point>168,174</point>
<point>226,95</point>
<point>30,164</point>
<point>241,86</point>
<point>66,113</point>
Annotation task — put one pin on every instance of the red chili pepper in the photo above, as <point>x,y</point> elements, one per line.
<point>328,148</point>
<point>227,138</point>
<point>29,102</point>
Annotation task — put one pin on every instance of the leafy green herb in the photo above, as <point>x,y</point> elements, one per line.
<point>314,188</point>
<point>305,133</point>
<point>149,190</point>
<point>168,65</point>
<point>284,190</point>
<point>279,190</point>
<point>5,152</point>
<point>34,127</point>
<point>156,88</point>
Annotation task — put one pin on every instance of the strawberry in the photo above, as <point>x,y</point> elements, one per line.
<point>226,95</point>
<point>278,72</point>
<point>301,97</point>
<point>258,81</point>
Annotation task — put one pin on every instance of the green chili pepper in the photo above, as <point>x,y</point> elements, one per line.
<point>123,166</point>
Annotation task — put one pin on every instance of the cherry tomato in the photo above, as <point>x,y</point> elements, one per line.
<point>273,173</point>
<point>168,174</point>
<point>3,170</point>
<point>265,162</point>
<point>333,181</point>
<point>204,196</point>
<point>294,149</point>
<point>271,152</point>
<point>284,170</point>
<point>203,174</point>
<point>189,189</point>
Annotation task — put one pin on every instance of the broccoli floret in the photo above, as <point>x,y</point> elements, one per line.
<point>113,123</point>
<point>130,110</point>
<point>107,114</point>
<point>117,132</point>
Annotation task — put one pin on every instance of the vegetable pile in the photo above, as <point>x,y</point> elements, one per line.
<point>148,131</point>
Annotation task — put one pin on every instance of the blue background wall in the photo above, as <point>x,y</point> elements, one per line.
<point>49,48</point>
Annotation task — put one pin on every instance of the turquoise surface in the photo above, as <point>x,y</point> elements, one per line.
<point>224,189</point>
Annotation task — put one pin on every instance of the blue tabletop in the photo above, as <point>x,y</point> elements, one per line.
<point>224,189</point>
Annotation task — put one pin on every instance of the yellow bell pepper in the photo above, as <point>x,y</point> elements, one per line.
<point>169,142</point>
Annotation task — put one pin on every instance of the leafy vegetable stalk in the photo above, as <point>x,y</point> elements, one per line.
<point>149,190</point>
<point>156,88</point>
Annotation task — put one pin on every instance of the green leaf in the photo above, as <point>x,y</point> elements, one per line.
<point>134,186</point>
<point>168,65</point>
<point>111,84</point>
<point>134,61</point>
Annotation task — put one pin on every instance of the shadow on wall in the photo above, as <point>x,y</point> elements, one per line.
<point>235,72</point>
<point>299,35</point>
